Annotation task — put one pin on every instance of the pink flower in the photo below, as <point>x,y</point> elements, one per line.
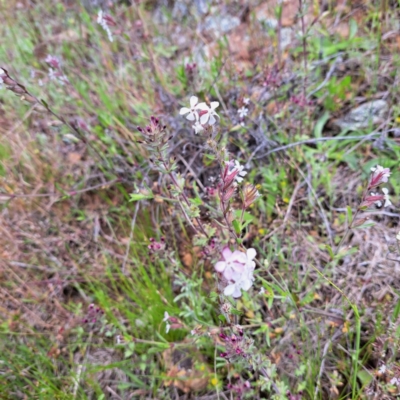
<point>237,269</point>
<point>233,264</point>
<point>377,199</point>
<point>379,175</point>
<point>53,61</point>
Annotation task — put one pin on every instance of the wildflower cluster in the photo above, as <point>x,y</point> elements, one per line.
<point>94,317</point>
<point>155,137</point>
<point>155,247</point>
<point>237,346</point>
<point>171,322</point>
<point>236,268</point>
<point>105,21</point>
<point>201,114</point>
<point>379,175</point>
<point>239,388</point>
<point>243,111</point>
<point>55,71</point>
<point>301,101</point>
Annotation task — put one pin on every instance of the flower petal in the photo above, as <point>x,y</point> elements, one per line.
<point>237,293</point>
<point>191,116</point>
<point>212,120</point>
<point>246,284</point>
<point>214,105</point>
<point>251,253</point>
<point>220,266</point>
<point>229,290</point>
<point>184,110</point>
<point>230,275</point>
<point>202,106</point>
<point>238,268</point>
<point>204,118</point>
<point>193,101</point>
<point>226,253</point>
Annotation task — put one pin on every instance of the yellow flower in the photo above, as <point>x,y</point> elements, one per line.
<point>214,381</point>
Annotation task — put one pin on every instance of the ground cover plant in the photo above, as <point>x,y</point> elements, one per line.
<point>199,200</point>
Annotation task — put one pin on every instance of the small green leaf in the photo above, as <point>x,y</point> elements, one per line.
<point>319,126</point>
<point>236,226</point>
<point>353,28</point>
<point>349,215</point>
<point>140,196</point>
<point>396,310</point>
<point>365,377</point>
<point>235,312</point>
<point>330,251</point>
<point>366,225</point>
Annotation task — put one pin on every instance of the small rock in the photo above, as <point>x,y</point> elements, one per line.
<point>286,37</point>
<point>372,112</point>
<point>220,25</point>
<point>202,6</point>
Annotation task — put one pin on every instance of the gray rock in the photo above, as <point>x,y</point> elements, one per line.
<point>202,6</point>
<point>220,25</point>
<point>286,37</point>
<point>268,23</point>
<point>370,113</point>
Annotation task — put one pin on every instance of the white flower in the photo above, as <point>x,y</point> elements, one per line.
<point>1,82</point>
<point>262,290</point>
<point>58,76</point>
<point>243,112</point>
<point>193,115</point>
<point>233,264</point>
<point>398,236</point>
<point>382,369</point>
<point>208,114</point>
<point>197,127</point>
<point>52,74</point>
<point>166,319</point>
<point>386,197</point>
<point>380,170</point>
<point>103,23</point>
<point>244,282</point>
<point>241,173</point>
<point>395,381</point>
<point>100,17</point>
<point>246,101</point>
<point>237,268</point>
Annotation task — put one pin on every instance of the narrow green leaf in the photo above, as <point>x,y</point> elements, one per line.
<point>236,226</point>
<point>353,28</point>
<point>396,311</point>
<point>366,225</point>
<point>319,126</point>
<point>349,215</point>
<point>330,251</point>
<point>140,196</point>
